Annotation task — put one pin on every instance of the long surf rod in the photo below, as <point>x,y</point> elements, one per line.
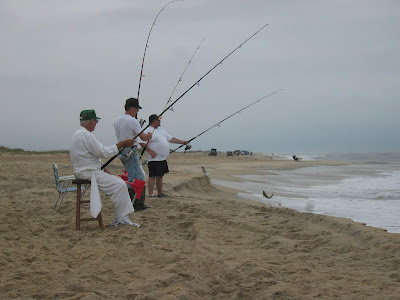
<point>219,123</point>
<point>197,82</point>
<point>183,73</point>
<point>176,85</point>
<point>147,45</point>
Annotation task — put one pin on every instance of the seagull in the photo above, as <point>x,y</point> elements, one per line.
<point>204,170</point>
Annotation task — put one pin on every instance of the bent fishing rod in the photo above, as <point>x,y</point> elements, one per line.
<point>219,123</point>
<point>147,44</point>
<point>173,91</point>
<point>180,97</point>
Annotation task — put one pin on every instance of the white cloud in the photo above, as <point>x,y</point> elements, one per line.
<point>337,62</point>
<point>35,10</point>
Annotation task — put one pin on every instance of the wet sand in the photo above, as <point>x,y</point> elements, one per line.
<point>202,242</point>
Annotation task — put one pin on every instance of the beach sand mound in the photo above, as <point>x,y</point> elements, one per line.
<point>197,184</point>
<point>198,243</point>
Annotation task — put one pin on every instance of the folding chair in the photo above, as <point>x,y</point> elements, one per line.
<point>62,184</point>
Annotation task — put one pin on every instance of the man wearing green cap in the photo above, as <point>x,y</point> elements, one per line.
<point>86,154</point>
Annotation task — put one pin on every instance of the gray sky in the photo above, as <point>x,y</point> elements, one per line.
<point>337,62</point>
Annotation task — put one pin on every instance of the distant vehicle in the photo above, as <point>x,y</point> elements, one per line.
<point>213,152</point>
<point>237,152</point>
<point>229,153</point>
<point>245,152</point>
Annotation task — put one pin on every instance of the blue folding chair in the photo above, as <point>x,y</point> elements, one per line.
<point>62,184</point>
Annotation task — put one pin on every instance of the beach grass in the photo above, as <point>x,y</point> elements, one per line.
<point>4,149</point>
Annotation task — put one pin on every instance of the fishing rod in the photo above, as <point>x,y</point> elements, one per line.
<point>219,123</point>
<point>180,78</point>
<point>173,91</point>
<point>147,44</point>
<point>197,82</point>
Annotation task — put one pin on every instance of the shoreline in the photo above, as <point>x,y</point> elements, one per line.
<point>201,242</point>
<point>230,167</point>
<point>330,190</point>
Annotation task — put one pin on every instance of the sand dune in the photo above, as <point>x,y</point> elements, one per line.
<point>200,243</point>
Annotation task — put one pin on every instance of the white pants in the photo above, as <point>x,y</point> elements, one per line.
<point>114,186</point>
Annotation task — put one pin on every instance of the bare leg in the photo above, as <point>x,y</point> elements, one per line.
<point>150,183</point>
<point>159,184</point>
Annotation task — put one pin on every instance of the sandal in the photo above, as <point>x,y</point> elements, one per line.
<point>162,195</point>
<point>152,196</point>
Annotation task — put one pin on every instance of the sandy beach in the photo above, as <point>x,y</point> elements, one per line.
<point>202,242</point>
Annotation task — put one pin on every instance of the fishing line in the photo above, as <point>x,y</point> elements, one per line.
<point>219,123</point>
<point>197,82</point>
<point>147,44</point>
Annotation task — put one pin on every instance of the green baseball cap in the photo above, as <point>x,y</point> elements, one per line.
<point>88,114</point>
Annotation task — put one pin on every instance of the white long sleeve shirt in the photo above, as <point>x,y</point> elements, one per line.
<point>86,151</point>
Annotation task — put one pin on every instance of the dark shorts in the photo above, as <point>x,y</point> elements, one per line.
<point>157,168</point>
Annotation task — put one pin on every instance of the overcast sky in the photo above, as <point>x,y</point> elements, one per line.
<point>338,63</point>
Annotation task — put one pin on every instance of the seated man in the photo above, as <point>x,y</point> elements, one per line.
<point>86,154</point>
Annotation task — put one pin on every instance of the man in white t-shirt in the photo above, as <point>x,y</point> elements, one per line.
<point>157,153</point>
<point>127,127</point>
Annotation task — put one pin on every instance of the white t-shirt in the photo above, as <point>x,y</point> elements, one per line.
<point>126,127</point>
<point>159,143</point>
<point>86,151</point>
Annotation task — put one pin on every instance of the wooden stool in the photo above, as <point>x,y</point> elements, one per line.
<point>79,201</point>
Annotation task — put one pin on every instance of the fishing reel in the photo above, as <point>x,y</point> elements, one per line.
<point>132,152</point>
<point>188,147</point>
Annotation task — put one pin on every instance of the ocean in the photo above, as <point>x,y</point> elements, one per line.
<point>367,191</point>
